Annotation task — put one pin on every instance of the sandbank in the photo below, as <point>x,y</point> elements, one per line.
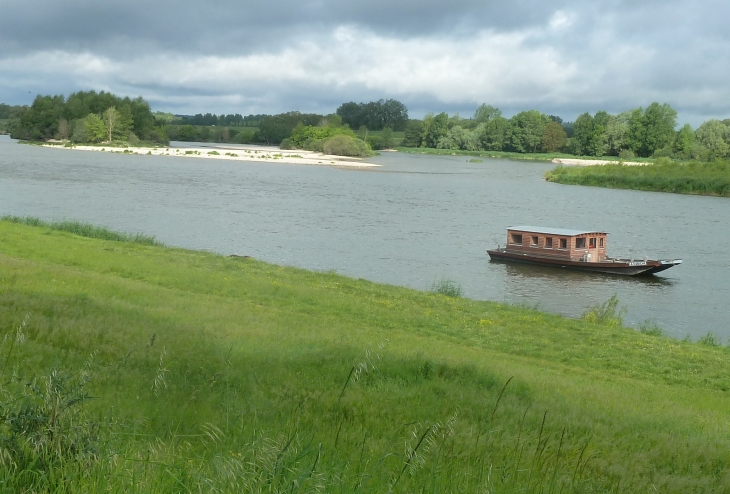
<point>267,154</point>
<point>581,162</point>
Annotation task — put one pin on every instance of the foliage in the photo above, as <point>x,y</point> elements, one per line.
<point>710,339</point>
<point>526,129</point>
<point>375,115</point>
<point>694,177</point>
<point>447,287</point>
<point>606,313</point>
<point>554,138</point>
<point>302,133</point>
<point>345,145</point>
<point>413,132</point>
<point>90,129</point>
<point>41,120</point>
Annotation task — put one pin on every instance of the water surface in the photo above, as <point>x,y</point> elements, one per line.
<point>416,220</point>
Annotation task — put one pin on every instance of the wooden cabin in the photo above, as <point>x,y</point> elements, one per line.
<point>559,243</point>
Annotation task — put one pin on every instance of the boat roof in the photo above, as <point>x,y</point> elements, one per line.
<point>553,231</point>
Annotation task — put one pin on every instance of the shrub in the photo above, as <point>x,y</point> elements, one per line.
<point>375,142</point>
<point>343,145</point>
<point>447,287</point>
<point>286,144</point>
<point>606,314</point>
<point>626,154</point>
<point>710,339</point>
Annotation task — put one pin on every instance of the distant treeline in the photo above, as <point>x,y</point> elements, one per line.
<point>376,115</point>
<point>211,119</point>
<point>638,132</point>
<point>87,116</point>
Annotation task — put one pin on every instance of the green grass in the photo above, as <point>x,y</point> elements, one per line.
<point>154,369</point>
<point>511,155</point>
<point>701,178</point>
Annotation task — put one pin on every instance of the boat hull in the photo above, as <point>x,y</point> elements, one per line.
<point>615,266</point>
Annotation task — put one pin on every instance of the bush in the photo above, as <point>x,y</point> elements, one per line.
<point>375,142</point>
<point>343,145</point>
<point>626,154</point>
<point>447,287</point>
<point>286,144</point>
<point>606,314</point>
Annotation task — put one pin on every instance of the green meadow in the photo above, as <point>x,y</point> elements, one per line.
<point>695,177</point>
<point>512,155</point>
<point>129,366</point>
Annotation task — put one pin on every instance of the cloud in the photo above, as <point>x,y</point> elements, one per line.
<point>563,57</point>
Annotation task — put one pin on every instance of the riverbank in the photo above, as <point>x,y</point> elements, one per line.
<point>552,157</point>
<point>230,374</point>
<point>266,154</point>
<point>698,178</point>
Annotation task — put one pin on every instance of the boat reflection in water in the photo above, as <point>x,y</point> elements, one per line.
<point>582,250</point>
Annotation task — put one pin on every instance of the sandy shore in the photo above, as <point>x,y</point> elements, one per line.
<point>267,154</point>
<point>578,162</point>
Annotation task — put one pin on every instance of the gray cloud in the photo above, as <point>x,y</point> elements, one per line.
<point>224,56</point>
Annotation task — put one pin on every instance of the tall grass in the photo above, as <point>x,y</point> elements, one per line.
<point>664,176</point>
<point>215,374</point>
<point>83,229</point>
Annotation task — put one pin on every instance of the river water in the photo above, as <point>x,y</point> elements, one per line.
<point>416,220</point>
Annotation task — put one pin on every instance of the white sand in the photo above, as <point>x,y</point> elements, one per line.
<point>267,154</point>
<point>578,162</point>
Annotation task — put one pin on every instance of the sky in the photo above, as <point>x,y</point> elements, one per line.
<point>253,56</point>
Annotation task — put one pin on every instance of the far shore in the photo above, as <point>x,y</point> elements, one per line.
<point>583,162</point>
<point>266,154</point>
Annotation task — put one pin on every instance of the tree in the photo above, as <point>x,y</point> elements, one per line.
<point>715,136</point>
<point>64,129</point>
<point>387,137</point>
<point>525,131</point>
<point>652,129</point>
<point>413,131</point>
<point>554,137</point>
<point>616,129</point>
<point>94,128</point>
<point>492,134</point>
<point>684,142</point>
<point>110,120</point>
<point>486,113</point>
<point>434,128</point>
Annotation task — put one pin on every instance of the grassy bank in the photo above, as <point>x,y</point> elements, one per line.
<point>509,155</point>
<point>664,176</point>
<point>129,367</point>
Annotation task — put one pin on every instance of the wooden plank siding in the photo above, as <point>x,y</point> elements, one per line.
<point>571,251</point>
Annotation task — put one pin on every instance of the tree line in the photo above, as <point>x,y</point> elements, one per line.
<point>639,132</point>
<point>642,132</point>
<point>88,116</point>
<point>211,119</point>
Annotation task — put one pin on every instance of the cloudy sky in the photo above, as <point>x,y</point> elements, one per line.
<point>253,56</point>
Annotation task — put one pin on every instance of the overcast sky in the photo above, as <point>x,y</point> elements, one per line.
<point>253,56</point>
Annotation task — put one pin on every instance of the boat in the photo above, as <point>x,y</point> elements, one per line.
<point>583,250</point>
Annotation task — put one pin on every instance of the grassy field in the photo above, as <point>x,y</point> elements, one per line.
<point>511,155</point>
<point>712,179</point>
<point>128,366</point>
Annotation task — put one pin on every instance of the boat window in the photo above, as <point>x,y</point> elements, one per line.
<point>580,243</point>
<point>600,242</point>
<point>533,241</point>
<point>516,238</point>
<point>592,243</point>
<point>548,242</point>
<point>563,243</point>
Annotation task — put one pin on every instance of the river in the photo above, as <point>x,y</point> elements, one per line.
<point>416,220</point>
